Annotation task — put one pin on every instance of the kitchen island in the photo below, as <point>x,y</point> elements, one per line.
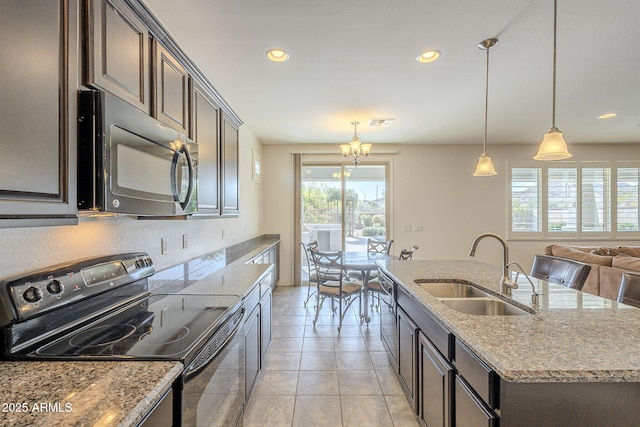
<point>85,393</point>
<point>578,357</point>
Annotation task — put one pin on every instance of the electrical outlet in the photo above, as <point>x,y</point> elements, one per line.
<point>185,241</point>
<point>164,246</point>
<point>406,228</point>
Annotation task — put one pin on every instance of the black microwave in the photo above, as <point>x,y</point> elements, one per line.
<point>130,163</point>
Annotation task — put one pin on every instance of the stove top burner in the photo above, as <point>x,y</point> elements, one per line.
<point>150,339</point>
<point>102,336</point>
<point>156,326</point>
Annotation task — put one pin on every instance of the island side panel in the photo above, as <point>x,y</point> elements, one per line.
<point>569,404</point>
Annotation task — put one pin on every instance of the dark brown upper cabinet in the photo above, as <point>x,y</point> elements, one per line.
<point>205,131</point>
<point>171,84</point>
<point>38,75</point>
<point>117,52</point>
<point>230,161</point>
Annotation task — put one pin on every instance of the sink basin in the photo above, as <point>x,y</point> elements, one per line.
<point>484,307</point>
<point>452,290</point>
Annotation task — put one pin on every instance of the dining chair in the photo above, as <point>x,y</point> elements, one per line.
<point>332,284</point>
<point>373,247</point>
<point>379,246</point>
<point>374,287</point>
<point>561,271</point>
<point>311,269</point>
<point>407,254</point>
<point>630,289</point>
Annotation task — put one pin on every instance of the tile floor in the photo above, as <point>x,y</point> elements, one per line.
<point>314,376</point>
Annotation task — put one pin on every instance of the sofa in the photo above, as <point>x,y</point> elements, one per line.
<point>607,265</point>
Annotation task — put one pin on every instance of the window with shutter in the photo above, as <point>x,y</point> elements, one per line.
<point>575,200</point>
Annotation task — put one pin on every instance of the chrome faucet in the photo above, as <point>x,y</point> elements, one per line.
<point>535,296</point>
<point>506,284</point>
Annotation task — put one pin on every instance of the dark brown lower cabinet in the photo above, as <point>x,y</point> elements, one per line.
<point>470,410</point>
<point>265,324</point>
<point>435,386</point>
<point>407,354</point>
<point>252,351</point>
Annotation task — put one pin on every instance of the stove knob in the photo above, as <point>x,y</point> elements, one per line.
<point>55,287</point>
<point>32,294</point>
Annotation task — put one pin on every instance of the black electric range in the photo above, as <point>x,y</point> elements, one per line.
<point>102,309</point>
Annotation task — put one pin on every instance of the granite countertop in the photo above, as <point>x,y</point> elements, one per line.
<point>234,279</point>
<point>574,337</point>
<point>82,393</point>
<point>223,271</point>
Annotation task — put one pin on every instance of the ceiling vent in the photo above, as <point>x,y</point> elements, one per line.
<point>380,123</point>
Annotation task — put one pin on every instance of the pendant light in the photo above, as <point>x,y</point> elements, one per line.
<point>485,164</point>
<point>553,146</point>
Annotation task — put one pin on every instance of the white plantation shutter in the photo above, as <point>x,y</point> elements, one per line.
<point>627,199</point>
<point>562,202</point>
<point>525,199</point>
<point>580,200</point>
<point>596,196</point>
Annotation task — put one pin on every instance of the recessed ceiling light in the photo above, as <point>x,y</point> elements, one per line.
<point>607,116</point>
<point>428,56</point>
<point>277,55</point>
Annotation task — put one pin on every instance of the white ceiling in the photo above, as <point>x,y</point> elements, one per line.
<point>356,60</point>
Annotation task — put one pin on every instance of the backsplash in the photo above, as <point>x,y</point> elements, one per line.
<point>27,249</point>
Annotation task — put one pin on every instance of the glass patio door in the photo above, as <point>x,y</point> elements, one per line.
<point>322,206</point>
<point>343,206</point>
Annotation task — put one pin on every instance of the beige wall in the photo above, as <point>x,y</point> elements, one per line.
<point>26,249</point>
<point>432,186</point>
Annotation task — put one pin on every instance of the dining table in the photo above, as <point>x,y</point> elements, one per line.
<point>365,263</point>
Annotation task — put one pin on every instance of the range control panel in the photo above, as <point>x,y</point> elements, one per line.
<point>65,284</point>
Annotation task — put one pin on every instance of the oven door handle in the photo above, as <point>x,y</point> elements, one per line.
<point>179,155</point>
<point>207,354</point>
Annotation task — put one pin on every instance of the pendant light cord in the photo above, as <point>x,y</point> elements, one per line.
<point>486,105</point>
<point>555,29</point>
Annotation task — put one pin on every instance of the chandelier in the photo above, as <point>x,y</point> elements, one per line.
<point>355,148</point>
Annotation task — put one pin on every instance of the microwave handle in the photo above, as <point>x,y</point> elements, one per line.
<point>174,177</point>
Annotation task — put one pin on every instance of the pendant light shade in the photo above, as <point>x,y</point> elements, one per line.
<point>485,164</point>
<point>485,167</point>
<point>553,145</point>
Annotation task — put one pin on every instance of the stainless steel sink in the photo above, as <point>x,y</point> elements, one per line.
<point>484,306</point>
<point>452,290</point>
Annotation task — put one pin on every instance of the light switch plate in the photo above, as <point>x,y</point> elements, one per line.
<point>164,245</point>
